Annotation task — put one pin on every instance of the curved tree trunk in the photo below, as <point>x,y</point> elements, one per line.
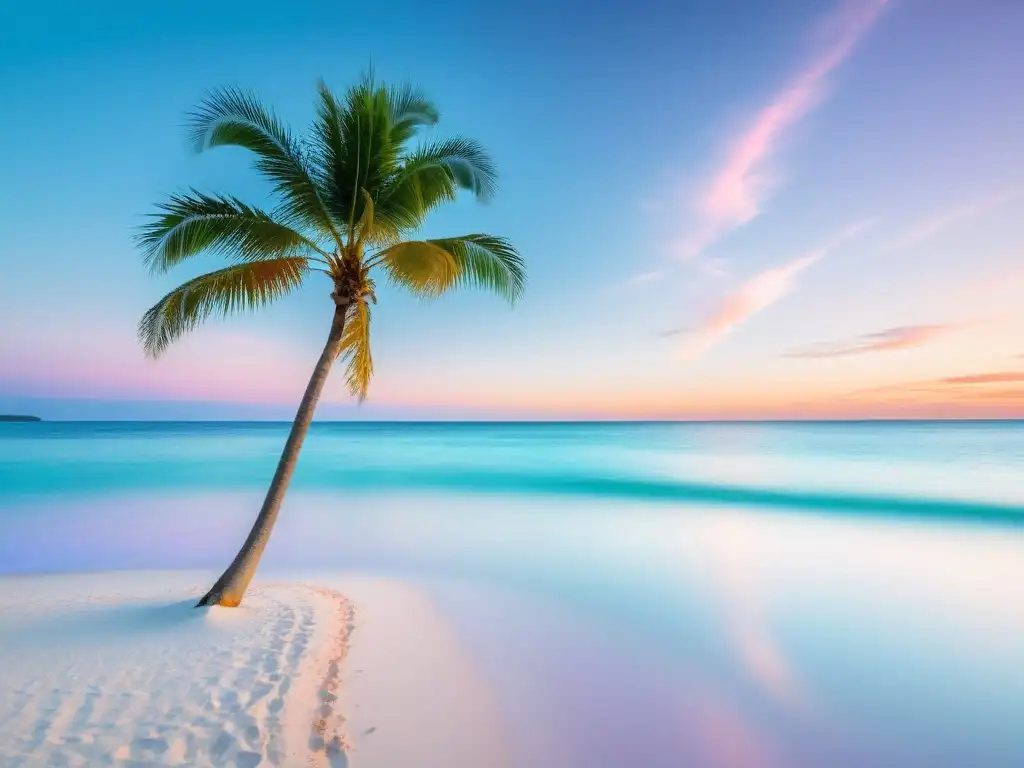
<point>231,586</point>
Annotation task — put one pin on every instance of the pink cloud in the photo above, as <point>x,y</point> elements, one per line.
<point>756,295</point>
<point>1002,377</point>
<point>974,388</point>
<point>904,337</point>
<point>1012,396</point>
<point>739,189</point>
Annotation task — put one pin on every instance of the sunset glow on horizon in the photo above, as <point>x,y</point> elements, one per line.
<point>810,211</point>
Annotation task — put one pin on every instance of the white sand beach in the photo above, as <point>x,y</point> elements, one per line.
<point>119,669</point>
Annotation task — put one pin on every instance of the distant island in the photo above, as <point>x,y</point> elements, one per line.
<point>9,417</point>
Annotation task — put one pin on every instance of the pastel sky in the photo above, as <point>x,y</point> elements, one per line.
<point>729,208</point>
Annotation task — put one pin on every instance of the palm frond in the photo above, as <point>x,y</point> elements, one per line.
<point>355,349</point>
<point>232,117</point>
<point>365,227</point>
<point>353,148</point>
<point>423,267</point>
<point>488,262</point>
<point>189,224</point>
<point>432,175</point>
<point>465,163</point>
<point>429,268</point>
<point>237,288</point>
<point>328,143</point>
<point>410,110</point>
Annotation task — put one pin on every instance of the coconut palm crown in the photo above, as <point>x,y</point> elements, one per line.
<point>348,198</point>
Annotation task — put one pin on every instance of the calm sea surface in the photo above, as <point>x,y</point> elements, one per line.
<point>800,594</point>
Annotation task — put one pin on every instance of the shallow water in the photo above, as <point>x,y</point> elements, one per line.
<point>650,594</point>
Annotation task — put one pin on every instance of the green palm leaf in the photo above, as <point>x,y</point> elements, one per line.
<point>352,145</point>
<point>237,288</point>
<point>462,161</point>
<point>432,175</point>
<point>231,117</point>
<point>488,262</point>
<point>355,349</point>
<point>468,163</point>
<point>410,110</point>
<point>192,223</point>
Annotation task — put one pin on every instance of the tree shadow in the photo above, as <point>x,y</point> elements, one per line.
<point>90,622</point>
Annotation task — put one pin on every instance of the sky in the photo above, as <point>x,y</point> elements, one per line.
<point>729,209</point>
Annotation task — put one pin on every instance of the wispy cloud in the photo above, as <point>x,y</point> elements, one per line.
<point>903,337</point>
<point>740,187</point>
<point>1002,377</point>
<point>756,295</point>
<point>975,388</point>
<point>644,278</point>
<point>713,269</point>
<point>670,333</point>
<point>936,224</point>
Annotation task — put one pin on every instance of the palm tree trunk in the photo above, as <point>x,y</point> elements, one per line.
<point>231,586</point>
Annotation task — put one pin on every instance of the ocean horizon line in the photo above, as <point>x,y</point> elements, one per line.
<point>436,421</point>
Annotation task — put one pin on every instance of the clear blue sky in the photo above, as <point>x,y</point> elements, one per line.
<point>727,208</point>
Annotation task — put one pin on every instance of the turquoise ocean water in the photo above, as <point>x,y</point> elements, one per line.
<point>662,594</point>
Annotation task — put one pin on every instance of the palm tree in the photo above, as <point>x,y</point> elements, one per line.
<point>346,200</point>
